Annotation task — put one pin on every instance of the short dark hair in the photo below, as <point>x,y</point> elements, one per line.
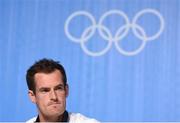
<point>44,66</point>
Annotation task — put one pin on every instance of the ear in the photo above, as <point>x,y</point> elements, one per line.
<point>67,90</point>
<point>32,96</point>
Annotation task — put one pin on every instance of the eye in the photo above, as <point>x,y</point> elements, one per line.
<point>60,88</point>
<point>44,90</point>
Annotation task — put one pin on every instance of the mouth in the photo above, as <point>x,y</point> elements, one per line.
<point>52,104</point>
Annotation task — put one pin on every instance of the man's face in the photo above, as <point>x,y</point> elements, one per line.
<point>51,93</point>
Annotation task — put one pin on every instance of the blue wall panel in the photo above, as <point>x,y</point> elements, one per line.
<point>139,81</point>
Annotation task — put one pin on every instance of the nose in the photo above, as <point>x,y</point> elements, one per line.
<point>53,95</point>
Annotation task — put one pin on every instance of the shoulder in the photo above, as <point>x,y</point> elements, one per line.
<point>77,117</point>
<point>32,120</point>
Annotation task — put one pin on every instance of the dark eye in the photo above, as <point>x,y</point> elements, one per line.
<point>44,90</point>
<point>60,88</point>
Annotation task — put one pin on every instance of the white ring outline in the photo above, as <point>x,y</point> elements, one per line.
<point>99,53</point>
<point>111,12</point>
<point>151,11</point>
<point>75,14</point>
<point>130,53</point>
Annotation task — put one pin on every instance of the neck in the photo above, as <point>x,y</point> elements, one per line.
<point>50,119</point>
<point>62,118</point>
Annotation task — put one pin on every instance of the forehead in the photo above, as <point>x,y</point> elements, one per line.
<point>48,79</point>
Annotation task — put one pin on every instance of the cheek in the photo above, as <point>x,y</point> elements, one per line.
<point>62,97</point>
<point>42,100</point>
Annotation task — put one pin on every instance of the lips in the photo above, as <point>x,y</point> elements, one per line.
<point>53,104</point>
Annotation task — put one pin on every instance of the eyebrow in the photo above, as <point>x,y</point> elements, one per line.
<point>59,85</point>
<point>44,88</point>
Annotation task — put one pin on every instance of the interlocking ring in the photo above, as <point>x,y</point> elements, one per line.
<point>76,14</point>
<point>100,52</point>
<point>106,34</point>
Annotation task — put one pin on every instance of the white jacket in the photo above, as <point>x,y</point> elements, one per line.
<point>73,118</point>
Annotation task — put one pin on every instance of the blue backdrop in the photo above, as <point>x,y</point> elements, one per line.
<point>121,57</point>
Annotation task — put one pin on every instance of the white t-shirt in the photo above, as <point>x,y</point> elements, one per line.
<point>73,118</point>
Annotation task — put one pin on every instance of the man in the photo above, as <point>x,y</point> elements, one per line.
<point>48,89</point>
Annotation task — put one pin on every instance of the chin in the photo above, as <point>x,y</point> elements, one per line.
<point>58,112</point>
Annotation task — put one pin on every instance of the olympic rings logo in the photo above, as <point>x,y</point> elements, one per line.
<point>137,30</point>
